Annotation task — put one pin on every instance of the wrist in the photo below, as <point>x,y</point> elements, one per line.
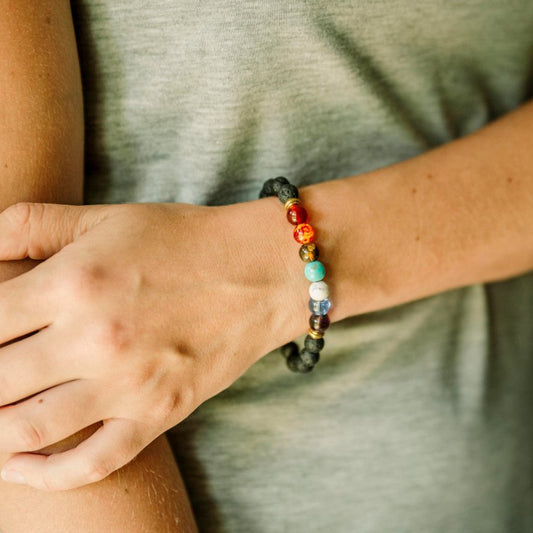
<point>303,360</point>
<point>346,221</point>
<point>268,262</point>
<point>379,252</point>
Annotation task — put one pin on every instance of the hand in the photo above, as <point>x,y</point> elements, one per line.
<point>141,312</point>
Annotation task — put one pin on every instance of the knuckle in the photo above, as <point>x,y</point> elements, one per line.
<point>83,280</point>
<point>29,436</point>
<point>188,399</point>
<point>175,405</point>
<point>27,217</point>
<point>168,406</point>
<point>113,336</point>
<point>19,213</point>
<point>138,377</point>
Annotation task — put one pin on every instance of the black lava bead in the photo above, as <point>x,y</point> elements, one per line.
<point>287,191</point>
<point>268,188</point>
<point>309,358</point>
<point>278,183</point>
<point>296,364</point>
<point>289,349</point>
<point>313,345</point>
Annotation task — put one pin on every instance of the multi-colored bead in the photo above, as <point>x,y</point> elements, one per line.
<point>309,252</point>
<point>304,233</point>
<point>314,271</point>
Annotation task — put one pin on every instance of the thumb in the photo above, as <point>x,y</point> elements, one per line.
<point>38,230</point>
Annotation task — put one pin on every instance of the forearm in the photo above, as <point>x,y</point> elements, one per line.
<point>454,216</point>
<point>147,495</point>
<point>41,112</point>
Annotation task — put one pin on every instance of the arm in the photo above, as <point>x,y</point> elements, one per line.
<point>41,159</point>
<point>457,215</point>
<point>397,234</point>
<point>41,121</point>
<point>41,138</point>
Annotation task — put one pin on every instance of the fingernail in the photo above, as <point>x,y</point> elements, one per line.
<point>12,476</point>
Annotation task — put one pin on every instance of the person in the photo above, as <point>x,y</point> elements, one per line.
<point>162,303</point>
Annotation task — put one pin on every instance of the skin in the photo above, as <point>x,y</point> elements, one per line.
<point>111,335</point>
<point>454,216</point>
<point>112,344</point>
<point>41,159</point>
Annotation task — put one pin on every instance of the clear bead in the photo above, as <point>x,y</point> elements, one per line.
<point>319,308</point>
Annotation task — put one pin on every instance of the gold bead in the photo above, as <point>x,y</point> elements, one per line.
<point>292,201</point>
<point>314,334</point>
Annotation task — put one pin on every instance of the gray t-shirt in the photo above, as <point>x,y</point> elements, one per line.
<point>417,417</point>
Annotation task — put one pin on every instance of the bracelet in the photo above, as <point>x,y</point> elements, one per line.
<point>319,303</point>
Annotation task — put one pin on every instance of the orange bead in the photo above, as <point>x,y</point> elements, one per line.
<point>304,233</point>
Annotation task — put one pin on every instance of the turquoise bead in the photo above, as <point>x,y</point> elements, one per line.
<point>315,271</point>
<point>319,308</point>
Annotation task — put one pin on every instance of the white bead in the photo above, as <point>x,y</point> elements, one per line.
<point>318,291</point>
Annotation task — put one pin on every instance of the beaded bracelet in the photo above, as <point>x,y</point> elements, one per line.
<point>319,304</point>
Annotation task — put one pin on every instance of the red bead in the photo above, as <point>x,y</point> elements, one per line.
<point>296,214</point>
<point>304,233</point>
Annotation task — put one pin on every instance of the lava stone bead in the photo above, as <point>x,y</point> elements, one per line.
<point>278,183</point>
<point>287,191</point>
<point>268,188</point>
<point>296,364</point>
<point>313,345</point>
<point>289,349</point>
<point>309,358</point>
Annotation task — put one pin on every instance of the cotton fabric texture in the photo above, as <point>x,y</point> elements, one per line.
<point>417,417</point>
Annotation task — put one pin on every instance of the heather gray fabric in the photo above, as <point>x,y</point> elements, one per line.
<point>417,418</point>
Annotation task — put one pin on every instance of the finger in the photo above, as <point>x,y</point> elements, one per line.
<point>27,303</point>
<point>39,230</point>
<point>34,364</point>
<point>112,446</point>
<point>49,417</point>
